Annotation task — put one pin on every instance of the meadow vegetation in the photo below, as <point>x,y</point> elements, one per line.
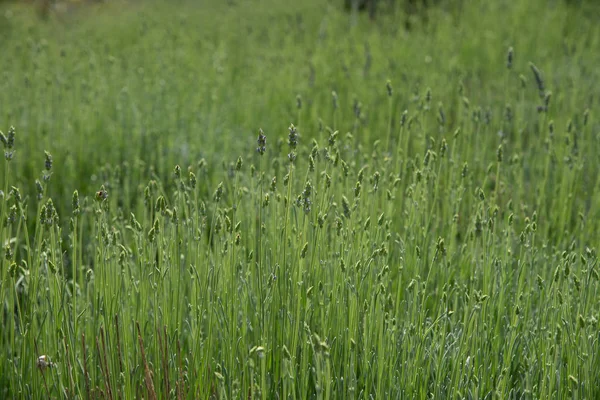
<point>284,200</point>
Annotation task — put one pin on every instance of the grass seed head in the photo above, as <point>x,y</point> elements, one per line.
<point>403,118</point>
<point>192,180</point>
<point>332,138</point>
<point>346,207</point>
<point>292,157</point>
<point>357,189</point>
<point>48,162</point>
<point>443,147</point>
<point>161,204</point>
<point>292,137</point>
<point>16,195</point>
<point>218,192</point>
<point>304,250</point>
<point>75,203</point>
<point>10,139</point>
<point>262,142</point>
<point>539,80</point>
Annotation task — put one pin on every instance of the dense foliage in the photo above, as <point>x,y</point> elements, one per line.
<point>286,200</point>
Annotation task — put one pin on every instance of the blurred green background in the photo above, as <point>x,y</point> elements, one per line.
<point>98,83</point>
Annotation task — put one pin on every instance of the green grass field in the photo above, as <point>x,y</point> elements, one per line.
<point>267,199</point>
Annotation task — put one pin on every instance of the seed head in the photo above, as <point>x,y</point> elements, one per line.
<point>304,199</point>
<point>376,177</point>
<point>304,250</point>
<point>443,147</point>
<point>481,194</point>
<point>147,195</point>
<point>361,173</point>
<point>292,157</point>
<point>441,247</point>
<point>10,140</point>
<point>192,180</point>
<point>134,222</point>
<point>509,58</point>
<point>12,215</point>
<point>8,253</point>
<point>48,215</point>
<point>346,207</point>
<point>16,194</point>
<point>327,180</point>
<point>293,137</point>
<point>547,98</point>
<point>262,142</point>
<point>367,224</point>
<point>76,207</point>
<point>48,162</point>
<point>218,193</point>
<point>538,78</point>
<point>403,117</point>
<point>345,168</point>
<point>357,189</point>
<point>39,189</point>
<point>339,225</point>
<point>428,156</point>
<point>332,138</point>
<point>388,85</point>
<point>321,219</point>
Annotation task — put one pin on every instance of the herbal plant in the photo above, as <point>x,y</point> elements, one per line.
<point>394,232</point>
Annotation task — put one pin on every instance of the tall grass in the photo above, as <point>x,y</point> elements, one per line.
<point>434,240</point>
